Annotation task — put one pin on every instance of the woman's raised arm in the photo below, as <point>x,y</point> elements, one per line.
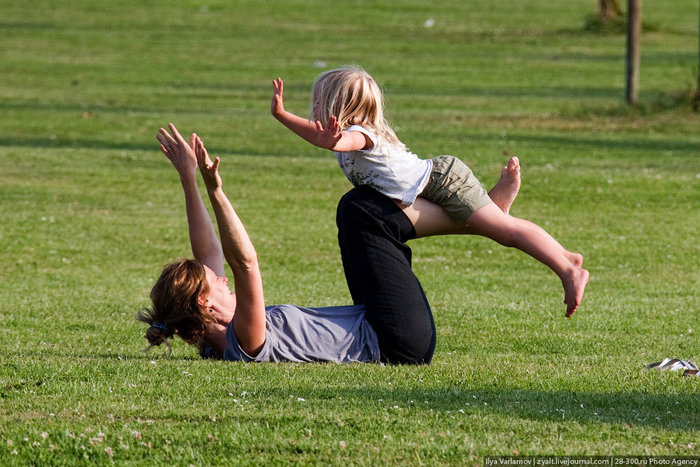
<point>203,240</point>
<point>249,319</point>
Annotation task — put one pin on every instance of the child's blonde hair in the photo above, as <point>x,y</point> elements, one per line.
<point>354,98</point>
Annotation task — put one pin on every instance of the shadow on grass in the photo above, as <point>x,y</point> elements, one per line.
<point>627,144</point>
<point>635,408</point>
<point>636,144</point>
<point>558,92</point>
<point>77,110</point>
<point>679,411</point>
<point>16,25</point>
<point>142,146</point>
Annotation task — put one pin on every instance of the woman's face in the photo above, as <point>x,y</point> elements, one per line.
<point>220,297</point>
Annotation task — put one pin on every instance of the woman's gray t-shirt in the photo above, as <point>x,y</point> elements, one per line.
<point>297,334</point>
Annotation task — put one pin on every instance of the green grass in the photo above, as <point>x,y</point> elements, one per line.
<point>90,211</point>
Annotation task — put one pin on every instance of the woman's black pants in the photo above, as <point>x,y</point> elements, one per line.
<point>372,233</point>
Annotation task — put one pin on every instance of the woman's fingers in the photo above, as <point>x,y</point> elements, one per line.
<point>202,155</point>
<point>165,138</point>
<point>201,152</point>
<point>169,145</point>
<point>164,133</point>
<point>205,153</point>
<point>176,133</point>
<point>165,146</point>
<point>198,150</point>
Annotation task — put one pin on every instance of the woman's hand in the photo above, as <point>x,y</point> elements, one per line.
<point>177,150</point>
<point>209,169</point>
<point>277,104</point>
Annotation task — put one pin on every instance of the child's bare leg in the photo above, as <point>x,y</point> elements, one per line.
<point>430,219</point>
<point>491,222</point>
<point>575,258</point>
<point>504,192</point>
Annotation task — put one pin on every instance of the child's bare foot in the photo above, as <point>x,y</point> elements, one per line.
<point>505,191</point>
<point>575,258</point>
<point>574,285</point>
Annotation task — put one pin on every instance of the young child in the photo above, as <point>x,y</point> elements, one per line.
<point>348,119</point>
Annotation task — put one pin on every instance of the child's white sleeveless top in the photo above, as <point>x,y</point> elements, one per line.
<point>389,169</point>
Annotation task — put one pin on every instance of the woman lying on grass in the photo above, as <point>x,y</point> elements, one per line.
<point>391,320</point>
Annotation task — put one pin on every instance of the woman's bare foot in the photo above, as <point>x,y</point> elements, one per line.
<point>506,190</point>
<point>574,285</point>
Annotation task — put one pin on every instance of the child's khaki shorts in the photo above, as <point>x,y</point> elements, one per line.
<point>453,186</point>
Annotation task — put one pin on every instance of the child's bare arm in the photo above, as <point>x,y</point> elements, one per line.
<point>312,132</point>
<point>328,137</point>
<point>352,141</point>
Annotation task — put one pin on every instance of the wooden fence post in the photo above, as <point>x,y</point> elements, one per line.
<point>634,23</point>
<point>696,99</point>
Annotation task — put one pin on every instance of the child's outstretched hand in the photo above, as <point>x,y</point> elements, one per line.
<point>277,105</point>
<point>328,136</point>
<point>209,169</point>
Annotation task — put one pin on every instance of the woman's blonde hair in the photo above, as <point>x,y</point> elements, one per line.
<point>352,96</point>
<point>176,308</point>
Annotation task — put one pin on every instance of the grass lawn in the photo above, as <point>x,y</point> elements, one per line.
<point>90,211</point>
